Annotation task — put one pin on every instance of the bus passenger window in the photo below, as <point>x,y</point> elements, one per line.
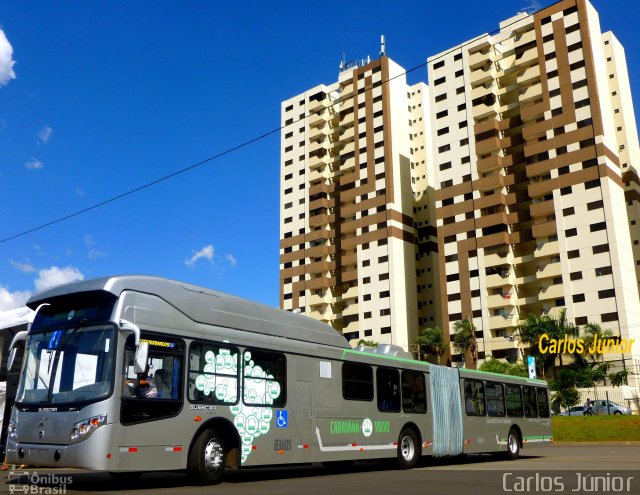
<point>413,392</point>
<point>495,400</point>
<point>264,378</point>
<point>530,406</point>
<point>514,400</point>
<point>543,402</point>
<point>474,398</point>
<point>357,381</point>
<point>388,390</point>
<point>213,373</point>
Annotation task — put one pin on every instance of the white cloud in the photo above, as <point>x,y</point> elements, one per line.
<point>24,267</point>
<point>50,277</point>
<point>80,192</point>
<point>206,252</point>
<point>12,300</point>
<point>33,164</point>
<point>6,60</point>
<point>231,259</point>
<point>89,240</point>
<point>44,134</point>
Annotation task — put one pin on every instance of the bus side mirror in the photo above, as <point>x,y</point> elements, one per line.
<point>140,359</point>
<point>19,337</point>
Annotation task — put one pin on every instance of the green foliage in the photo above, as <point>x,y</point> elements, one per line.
<point>497,366</point>
<point>619,378</point>
<point>431,344</point>
<point>368,343</point>
<point>564,398</point>
<point>464,341</point>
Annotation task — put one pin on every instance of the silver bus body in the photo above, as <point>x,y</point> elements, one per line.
<point>267,382</point>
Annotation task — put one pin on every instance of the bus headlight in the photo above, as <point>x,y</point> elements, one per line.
<point>84,429</point>
<point>11,430</point>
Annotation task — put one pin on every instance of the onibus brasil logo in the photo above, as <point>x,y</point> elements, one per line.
<point>219,378</point>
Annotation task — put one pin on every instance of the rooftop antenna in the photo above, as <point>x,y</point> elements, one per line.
<point>343,62</point>
<point>383,50</point>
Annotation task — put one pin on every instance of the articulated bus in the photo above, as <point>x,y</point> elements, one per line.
<point>131,374</point>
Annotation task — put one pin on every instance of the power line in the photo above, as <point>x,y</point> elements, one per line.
<point>228,150</point>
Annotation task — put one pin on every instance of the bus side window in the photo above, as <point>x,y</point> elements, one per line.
<point>264,378</point>
<point>213,373</point>
<point>413,392</point>
<point>514,400</point>
<point>357,381</point>
<point>388,389</point>
<point>474,398</point>
<point>543,402</point>
<point>530,406</point>
<point>495,400</point>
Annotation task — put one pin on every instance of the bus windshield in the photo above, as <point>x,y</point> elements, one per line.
<point>66,366</point>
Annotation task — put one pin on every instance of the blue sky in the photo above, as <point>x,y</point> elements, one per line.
<point>108,96</point>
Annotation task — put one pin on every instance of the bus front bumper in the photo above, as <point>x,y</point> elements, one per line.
<point>93,453</point>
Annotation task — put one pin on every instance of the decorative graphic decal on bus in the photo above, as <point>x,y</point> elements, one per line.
<point>225,388</point>
<point>259,388</point>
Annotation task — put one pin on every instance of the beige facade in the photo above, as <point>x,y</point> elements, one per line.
<point>354,168</point>
<point>509,186</point>
<point>534,139</point>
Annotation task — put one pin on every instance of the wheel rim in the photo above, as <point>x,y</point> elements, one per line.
<point>513,444</point>
<point>407,448</point>
<point>213,456</point>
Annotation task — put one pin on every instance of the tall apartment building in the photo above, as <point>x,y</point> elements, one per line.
<point>535,164</point>
<point>353,172</point>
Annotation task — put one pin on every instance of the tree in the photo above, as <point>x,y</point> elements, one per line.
<point>494,365</point>
<point>431,344</point>
<point>464,341</point>
<point>528,332</point>
<point>368,343</point>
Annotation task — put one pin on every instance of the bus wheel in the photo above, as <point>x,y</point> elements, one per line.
<point>513,445</point>
<point>207,459</point>
<point>408,449</point>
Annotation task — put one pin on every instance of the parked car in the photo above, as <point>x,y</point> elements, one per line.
<point>599,407</point>
<point>602,405</point>
<point>573,411</point>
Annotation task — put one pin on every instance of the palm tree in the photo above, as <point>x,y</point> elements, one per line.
<point>464,341</point>
<point>431,343</point>
<point>528,332</point>
<point>368,343</point>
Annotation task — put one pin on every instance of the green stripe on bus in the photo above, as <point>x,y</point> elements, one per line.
<point>382,356</point>
<point>528,380</point>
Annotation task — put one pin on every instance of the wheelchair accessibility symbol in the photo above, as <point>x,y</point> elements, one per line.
<point>282,419</point>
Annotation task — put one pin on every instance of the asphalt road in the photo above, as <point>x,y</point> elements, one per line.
<point>551,469</point>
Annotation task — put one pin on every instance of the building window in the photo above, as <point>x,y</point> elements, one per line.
<point>578,298</point>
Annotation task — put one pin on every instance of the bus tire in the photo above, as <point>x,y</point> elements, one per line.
<point>408,449</point>
<point>513,445</point>
<point>207,459</point>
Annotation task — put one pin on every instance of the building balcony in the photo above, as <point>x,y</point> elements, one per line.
<point>498,279</point>
<point>318,105</point>
<point>479,58</point>
<point>552,269</point>
<point>528,75</point>
<point>531,93</point>
<point>317,119</point>
<point>483,74</point>
<point>548,292</point>
<point>497,259</point>
<point>506,299</point>
<point>500,321</point>
<point>546,249</point>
